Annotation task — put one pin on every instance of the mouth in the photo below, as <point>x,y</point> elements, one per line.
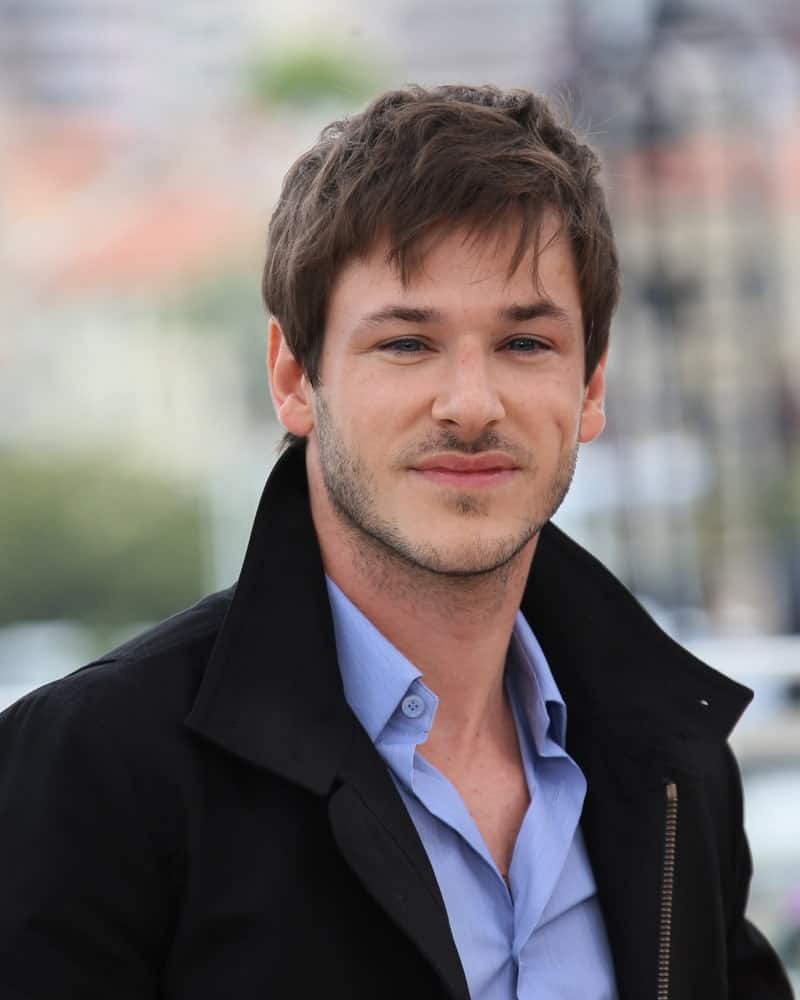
<point>467,471</point>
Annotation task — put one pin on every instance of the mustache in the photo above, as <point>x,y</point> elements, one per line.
<point>489,440</point>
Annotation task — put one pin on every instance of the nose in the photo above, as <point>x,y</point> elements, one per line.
<point>467,397</point>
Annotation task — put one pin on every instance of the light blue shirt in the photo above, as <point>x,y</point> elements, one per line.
<point>541,935</point>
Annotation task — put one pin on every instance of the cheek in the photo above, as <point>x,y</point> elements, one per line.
<point>554,410</point>
<point>361,429</point>
<point>388,406</point>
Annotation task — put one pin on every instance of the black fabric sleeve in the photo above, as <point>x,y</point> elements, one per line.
<point>83,907</point>
<point>754,970</point>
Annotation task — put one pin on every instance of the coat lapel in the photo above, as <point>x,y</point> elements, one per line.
<point>272,695</point>
<point>377,838</point>
<point>271,692</point>
<point>642,712</point>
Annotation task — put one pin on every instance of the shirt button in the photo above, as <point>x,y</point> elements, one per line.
<point>412,706</point>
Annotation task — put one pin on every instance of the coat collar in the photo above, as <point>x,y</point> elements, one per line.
<point>640,708</point>
<point>271,692</point>
<point>626,683</point>
<point>272,695</point>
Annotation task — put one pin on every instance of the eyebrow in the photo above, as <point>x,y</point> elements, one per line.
<point>516,313</point>
<point>544,309</point>
<point>405,314</point>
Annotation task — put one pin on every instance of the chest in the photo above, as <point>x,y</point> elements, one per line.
<point>275,875</point>
<point>497,802</point>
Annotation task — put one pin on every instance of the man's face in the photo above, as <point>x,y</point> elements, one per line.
<point>448,412</point>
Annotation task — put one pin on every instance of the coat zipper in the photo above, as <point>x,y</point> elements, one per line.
<point>667,889</point>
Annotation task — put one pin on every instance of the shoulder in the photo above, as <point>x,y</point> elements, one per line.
<point>169,657</point>
<point>147,684</point>
<point>96,778</point>
<point>100,762</point>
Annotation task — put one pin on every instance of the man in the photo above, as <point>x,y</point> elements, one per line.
<point>427,747</point>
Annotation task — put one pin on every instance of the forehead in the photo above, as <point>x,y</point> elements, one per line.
<point>462,264</point>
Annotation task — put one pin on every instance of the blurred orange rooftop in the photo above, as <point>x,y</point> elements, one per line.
<point>90,210</point>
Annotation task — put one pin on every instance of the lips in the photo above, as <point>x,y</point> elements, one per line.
<point>466,472</point>
<point>466,464</point>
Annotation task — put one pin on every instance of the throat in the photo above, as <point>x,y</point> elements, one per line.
<point>489,775</point>
<point>496,797</point>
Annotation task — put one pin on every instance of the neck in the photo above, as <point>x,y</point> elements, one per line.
<point>454,629</point>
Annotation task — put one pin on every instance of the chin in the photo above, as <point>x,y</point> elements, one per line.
<point>477,557</point>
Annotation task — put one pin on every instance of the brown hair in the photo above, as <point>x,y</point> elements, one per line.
<point>421,160</point>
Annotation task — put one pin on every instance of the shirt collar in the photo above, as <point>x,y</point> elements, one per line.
<point>537,689</point>
<point>375,675</point>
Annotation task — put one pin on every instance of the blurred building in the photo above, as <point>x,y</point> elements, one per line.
<point>130,61</point>
<point>510,43</point>
<point>706,355</point>
<point>702,155</point>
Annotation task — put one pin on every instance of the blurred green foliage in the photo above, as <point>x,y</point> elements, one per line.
<point>226,301</point>
<point>91,540</point>
<point>311,73</point>
<point>227,304</point>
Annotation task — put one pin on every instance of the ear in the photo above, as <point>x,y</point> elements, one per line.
<point>292,394</point>
<point>593,415</point>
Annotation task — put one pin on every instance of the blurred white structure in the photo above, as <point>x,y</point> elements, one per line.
<point>136,61</point>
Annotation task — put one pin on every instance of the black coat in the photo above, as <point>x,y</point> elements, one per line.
<point>198,815</point>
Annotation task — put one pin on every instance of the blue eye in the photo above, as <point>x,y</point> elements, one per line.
<point>526,345</point>
<point>404,345</point>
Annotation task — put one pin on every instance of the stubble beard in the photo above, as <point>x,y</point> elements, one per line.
<point>351,492</point>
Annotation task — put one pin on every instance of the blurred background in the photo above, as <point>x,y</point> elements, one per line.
<point>141,150</point>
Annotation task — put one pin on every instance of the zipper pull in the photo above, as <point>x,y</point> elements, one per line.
<point>667,888</point>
